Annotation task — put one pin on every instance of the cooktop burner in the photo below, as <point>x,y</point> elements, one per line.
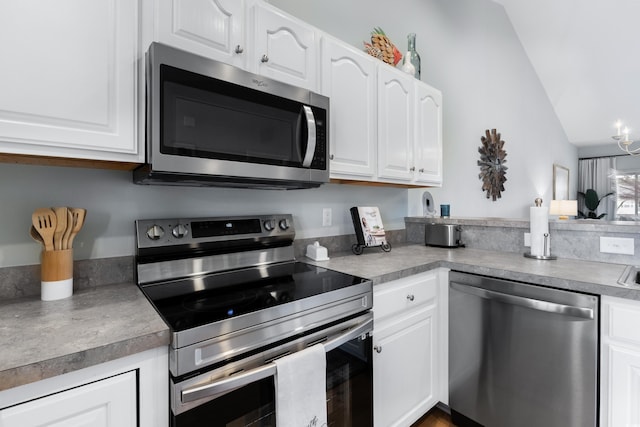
<point>212,298</point>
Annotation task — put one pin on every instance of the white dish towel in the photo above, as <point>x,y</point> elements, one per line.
<point>301,390</point>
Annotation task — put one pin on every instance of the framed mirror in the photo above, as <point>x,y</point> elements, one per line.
<point>560,182</point>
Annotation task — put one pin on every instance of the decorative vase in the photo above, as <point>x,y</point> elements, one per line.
<point>412,57</point>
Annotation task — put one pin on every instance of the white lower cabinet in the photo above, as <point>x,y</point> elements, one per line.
<point>106,403</point>
<point>127,392</point>
<point>410,347</point>
<point>620,363</point>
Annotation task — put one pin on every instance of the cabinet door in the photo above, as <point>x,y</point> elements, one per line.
<point>211,28</point>
<point>69,78</point>
<point>428,137</point>
<point>107,403</point>
<point>623,394</point>
<point>349,79</point>
<point>395,124</point>
<point>404,369</point>
<point>284,48</point>
<point>620,363</point>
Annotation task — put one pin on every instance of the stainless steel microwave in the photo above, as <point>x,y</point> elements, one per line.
<point>212,124</point>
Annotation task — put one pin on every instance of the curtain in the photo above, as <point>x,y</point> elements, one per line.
<point>598,174</point>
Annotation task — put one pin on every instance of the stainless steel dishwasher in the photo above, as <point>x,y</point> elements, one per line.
<point>521,355</point>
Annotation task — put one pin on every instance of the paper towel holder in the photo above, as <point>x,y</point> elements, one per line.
<point>546,250</point>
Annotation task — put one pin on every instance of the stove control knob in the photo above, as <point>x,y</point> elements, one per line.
<point>270,224</point>
<point>155,232</point>
<point>284,224</point>
<point>179,231</point>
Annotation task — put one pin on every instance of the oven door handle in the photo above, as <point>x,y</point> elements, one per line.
<point>228,384</point>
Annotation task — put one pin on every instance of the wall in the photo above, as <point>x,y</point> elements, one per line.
<point>470,52</point>
<point>113,203</point>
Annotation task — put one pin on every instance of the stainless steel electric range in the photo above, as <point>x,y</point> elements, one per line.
<point>236,299</point>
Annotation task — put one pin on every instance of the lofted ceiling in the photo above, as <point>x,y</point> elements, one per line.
<point>587,56</point>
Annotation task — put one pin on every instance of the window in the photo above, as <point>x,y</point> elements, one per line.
<point>628,196</point>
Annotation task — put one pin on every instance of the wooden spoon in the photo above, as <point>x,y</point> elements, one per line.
<point>44,221</point>
<point>61,227</point>
<point>78,221</point>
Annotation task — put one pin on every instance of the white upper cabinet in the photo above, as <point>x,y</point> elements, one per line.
<point>284,48</point>
<point>248,34</point>
<point>349,80</point>
<point>211,28</point>
<point>409,129</point>
<point>428,135</point>
<point>396,96</point>
<point>69,79</point>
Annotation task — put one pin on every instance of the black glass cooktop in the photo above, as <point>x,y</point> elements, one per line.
<point>197,301</point>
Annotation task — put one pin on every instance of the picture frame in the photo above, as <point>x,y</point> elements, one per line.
<point>560,182</point>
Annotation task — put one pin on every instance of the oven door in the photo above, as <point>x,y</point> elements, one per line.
<point>242,393</point>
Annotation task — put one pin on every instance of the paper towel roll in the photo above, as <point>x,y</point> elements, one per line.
<point>539,226</point>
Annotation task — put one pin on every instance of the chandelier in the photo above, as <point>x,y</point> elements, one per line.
<point>624,142</point>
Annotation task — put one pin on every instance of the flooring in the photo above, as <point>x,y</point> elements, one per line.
<point>434,418</point>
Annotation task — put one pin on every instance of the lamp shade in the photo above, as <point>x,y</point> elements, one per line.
<point>564,208</point>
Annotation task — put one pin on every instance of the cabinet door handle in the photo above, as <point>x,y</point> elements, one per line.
<point>239,50</point>
<point>378,349</point>
<point>413,168</point>
<point>264,58</point>
<point>421,170</point>
<point>331,157</point>
<point>410,297</point>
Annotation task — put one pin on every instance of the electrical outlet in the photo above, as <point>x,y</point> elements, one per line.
<point>326,217</point>
<point>617,245</point>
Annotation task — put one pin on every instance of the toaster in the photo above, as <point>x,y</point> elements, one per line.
<point>443,235</point>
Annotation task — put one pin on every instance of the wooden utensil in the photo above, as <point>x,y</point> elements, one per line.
<point>61,227</point>
<point>44,221</point>
<point>78,221</point>
<point>35,236</point>
<point>67,233</point>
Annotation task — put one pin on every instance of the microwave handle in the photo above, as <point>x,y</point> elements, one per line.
<point>311,136</point>
<point>240,380</point>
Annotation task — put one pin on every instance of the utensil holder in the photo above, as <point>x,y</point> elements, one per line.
<point>56,275</point>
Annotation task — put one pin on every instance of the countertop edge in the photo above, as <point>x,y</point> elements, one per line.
<point>53,367</point>
<point>65,319</point>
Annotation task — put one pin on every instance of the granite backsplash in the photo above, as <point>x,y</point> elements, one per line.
<point>569,239</point>
<point>573,239</point>
<point>24,281</point>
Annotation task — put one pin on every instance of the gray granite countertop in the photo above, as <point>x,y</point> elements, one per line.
<point>584,276</point>
<point>100,324</point>
<point>42,339</point>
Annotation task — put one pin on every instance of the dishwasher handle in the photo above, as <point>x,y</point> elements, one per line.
<point>531,303</point>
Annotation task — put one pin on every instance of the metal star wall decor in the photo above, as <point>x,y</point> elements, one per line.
<point>492,164</point>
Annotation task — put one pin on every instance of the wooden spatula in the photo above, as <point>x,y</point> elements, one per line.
<point>44,221</point>
<point>61,227</point>
<point>78,221</point>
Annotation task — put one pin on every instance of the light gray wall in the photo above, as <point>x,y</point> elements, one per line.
<point>113,203</point>
<point>470,52</point>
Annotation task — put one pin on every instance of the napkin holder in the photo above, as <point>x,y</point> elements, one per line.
<point>317,252</point>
